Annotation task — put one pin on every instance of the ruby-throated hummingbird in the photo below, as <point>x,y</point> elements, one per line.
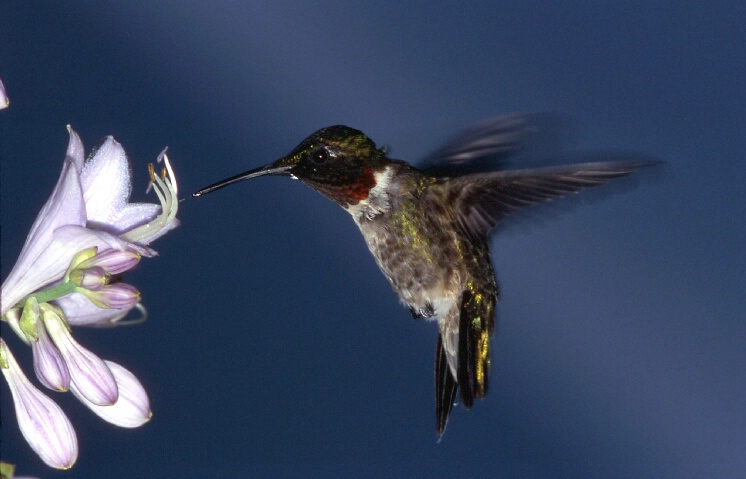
<point>428,232</point>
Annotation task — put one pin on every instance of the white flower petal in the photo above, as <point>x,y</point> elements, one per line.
<point>105,180</point>
<point>75,151</point>
<point>132,409</point>
<point>133,215</point>
<point>45,427</point>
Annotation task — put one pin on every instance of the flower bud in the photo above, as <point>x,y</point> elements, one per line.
<point>45,427</point>
<point>49,366</point>
<point>29,318</point>
<point>132,409</point>
<point>91,278</point>
<point>80,257</point>
<point>88,372</point>
<point>113,296</point>
<point>113,261</point>
<point>13,317</point>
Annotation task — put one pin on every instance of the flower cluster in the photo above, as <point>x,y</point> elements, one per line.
<point>69,274</point>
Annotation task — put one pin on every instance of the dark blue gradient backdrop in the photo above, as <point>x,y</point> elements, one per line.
<point>275,348</point>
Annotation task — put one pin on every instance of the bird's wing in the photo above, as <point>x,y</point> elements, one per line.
<point>483,199</point>
<point>480,146</point>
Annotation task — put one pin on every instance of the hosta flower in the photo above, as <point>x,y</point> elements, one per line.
<point>4,102</point>
<point>69,273</point>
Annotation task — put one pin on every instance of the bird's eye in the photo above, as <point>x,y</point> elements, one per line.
<point>319,156</point>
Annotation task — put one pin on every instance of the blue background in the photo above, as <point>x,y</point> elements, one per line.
<point>275,348</point>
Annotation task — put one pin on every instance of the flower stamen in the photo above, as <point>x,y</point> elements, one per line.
<point>166,190</point>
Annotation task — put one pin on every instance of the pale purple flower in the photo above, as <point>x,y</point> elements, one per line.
<point>64,207</point>
<point>89,208</point>
<point>132,409</point>
<point>68,273</point>
<point>43,424</point>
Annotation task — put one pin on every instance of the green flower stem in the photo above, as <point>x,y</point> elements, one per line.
<point>54,292</point>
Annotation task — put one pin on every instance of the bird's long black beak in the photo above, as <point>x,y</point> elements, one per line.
<point>271,169</point>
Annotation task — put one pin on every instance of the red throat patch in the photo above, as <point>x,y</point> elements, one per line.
<point>359,191</point>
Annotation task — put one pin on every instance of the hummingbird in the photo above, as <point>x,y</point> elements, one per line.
<point>428,231</point>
